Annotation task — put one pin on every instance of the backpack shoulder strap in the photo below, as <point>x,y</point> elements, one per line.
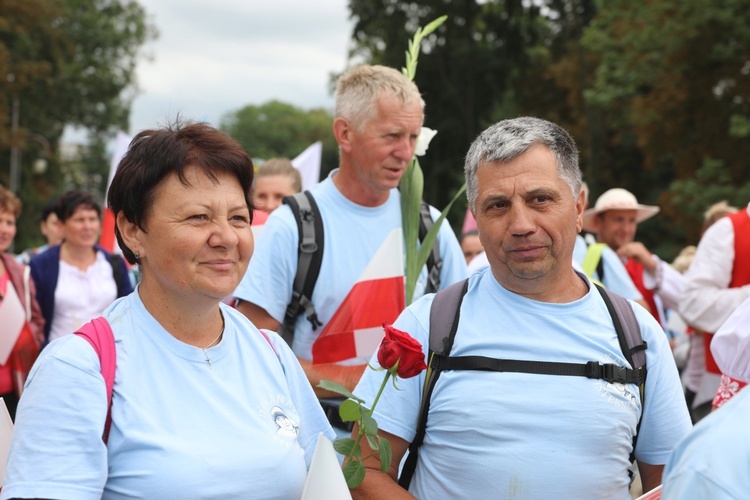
<point>445,313</point>
<point>632,345</point>
<point>434,261</point>
<point>98,334</point>
<point>309,258</point>
<point>628,332</point>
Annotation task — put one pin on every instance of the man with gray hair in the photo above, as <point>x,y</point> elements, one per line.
<point>379,115</point>
<point>494,430</point>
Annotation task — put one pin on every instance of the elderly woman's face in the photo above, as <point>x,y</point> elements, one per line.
<point>198,239</point>
<point>7,229</point>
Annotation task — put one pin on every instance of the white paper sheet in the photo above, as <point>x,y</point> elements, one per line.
<point>6,431</point>
<point>12,317</point>
<point>325,480</point>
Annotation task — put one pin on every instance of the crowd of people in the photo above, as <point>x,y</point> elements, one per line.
<point>562,371</point>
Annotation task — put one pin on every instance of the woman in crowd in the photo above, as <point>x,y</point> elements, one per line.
<point>16,291</point>
<point>275,179</point>
<point>200,394</point>
<point>77,279</point>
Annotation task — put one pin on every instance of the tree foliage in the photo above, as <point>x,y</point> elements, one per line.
<point>67,63</point>
<point>675,80</point>
<point>277,129</point>
<point>656,93</point>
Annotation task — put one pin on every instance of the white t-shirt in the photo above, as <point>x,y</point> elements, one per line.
<point>352,235</point>
<point>81,296</point>
<point>517,435</point>
<point>245,425</point>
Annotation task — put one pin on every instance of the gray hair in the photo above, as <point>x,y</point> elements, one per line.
<point>508,139</point>
<point>360,87</point>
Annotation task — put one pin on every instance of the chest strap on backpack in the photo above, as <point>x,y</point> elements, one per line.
<point>309,258</point>
<point>609,372</point>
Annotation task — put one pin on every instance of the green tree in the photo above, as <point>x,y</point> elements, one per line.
<point>66,63</point>
<point>277,129</point>
<point>675,83</point>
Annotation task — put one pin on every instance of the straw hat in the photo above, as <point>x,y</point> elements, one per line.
<point>731,344</point>
<point>617,199</point>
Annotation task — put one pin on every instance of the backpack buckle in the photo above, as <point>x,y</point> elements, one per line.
<point>306,215</point>
<point>593,369</point>
<point>615,373</point>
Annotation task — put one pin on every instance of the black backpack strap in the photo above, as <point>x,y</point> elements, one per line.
<point>434,261</point>
<point>117,273</point>
<point>632,345</point>
<point>445,313</point>
<point>609,372</point>
<point>309,258</point>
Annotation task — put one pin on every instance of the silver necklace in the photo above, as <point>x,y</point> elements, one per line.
<point>205,349</point>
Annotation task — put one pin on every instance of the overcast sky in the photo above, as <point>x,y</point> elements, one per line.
<point>216,56</point>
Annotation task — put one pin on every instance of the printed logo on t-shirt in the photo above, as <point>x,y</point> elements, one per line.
<point>282,419</point>
<point>286,426</point>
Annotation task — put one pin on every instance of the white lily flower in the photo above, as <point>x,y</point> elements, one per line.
<point>423,141</point>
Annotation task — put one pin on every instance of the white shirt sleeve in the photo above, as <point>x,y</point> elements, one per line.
<point>706,302</point>
<point>668,283</point>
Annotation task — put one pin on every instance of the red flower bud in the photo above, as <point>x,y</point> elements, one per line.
<point>398,346</point>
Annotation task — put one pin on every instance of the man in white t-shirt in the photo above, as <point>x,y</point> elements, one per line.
<point>379,115</point>
<point>492,434</point>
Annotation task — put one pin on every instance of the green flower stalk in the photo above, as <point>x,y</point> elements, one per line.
<point>412,186</point>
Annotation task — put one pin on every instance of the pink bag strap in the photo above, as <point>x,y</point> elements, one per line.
<point>98,333</point>
<point>268,339</point>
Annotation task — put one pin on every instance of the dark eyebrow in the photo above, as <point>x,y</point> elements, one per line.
<point>542,192</point>
<point>495,198</point>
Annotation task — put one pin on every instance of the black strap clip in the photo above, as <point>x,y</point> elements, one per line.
<point>615,374</point>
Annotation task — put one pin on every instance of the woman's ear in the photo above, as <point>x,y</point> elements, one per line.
<point>130,233</point>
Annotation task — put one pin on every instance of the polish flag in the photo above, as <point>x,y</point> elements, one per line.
<point>355,330</point>
<point>107,239</point>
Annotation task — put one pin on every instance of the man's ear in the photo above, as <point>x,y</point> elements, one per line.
<point>580,208</point>
<point>130,233</point>
<point>342,131</point>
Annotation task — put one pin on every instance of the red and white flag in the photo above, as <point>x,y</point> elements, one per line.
<point>107,238</point>
<point>355,330</point>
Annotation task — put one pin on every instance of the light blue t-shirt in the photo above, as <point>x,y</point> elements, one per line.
<point>616,277</point>
<point>714,460</point>
<point>244,425</point>
<point>517,435</point>
<point>352,235</point>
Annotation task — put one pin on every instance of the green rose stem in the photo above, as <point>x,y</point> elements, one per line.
<point>354,470</point>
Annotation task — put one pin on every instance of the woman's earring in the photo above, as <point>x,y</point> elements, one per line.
<point>137,257</point>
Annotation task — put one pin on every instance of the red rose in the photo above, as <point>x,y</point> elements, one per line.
<point>398,346</point>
